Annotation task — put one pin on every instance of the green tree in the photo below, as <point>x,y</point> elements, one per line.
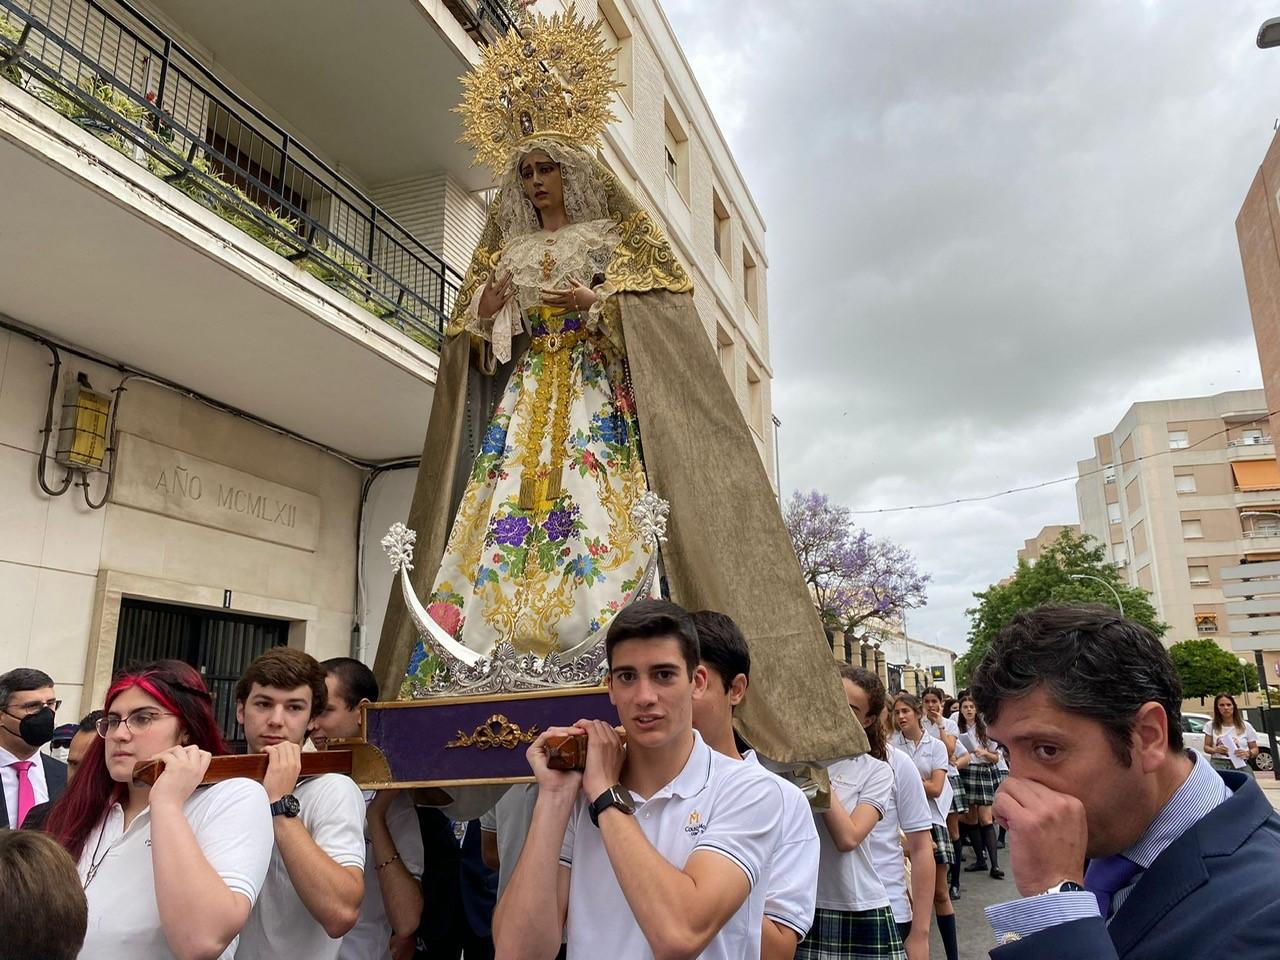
<point>1070,570</point>
<point>1207,670</point>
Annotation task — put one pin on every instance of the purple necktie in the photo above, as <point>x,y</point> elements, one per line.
<point>1108,875</point>
<point>26,792</point>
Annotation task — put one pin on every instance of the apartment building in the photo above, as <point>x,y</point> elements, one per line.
<point>1031,549</point>
<point>1179,491</point>
<point>230,236</point>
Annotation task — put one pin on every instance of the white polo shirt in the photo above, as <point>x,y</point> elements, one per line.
<point>928,755</point>
<point>971,744</point>
<point>510,820</point>
<point>368,939</point>
<point>848,881</point>
<point>949,726</point>
<point>281,925</point>
<point>9,781</point>
<point>725,806</point>
<point>231,822</point>
<point>908,811</point>
<point>792,886</point>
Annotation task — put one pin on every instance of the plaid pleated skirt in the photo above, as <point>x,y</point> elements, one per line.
<point>852,935</point>
<point>944,851</point>
<point>959,799</point>
<point>979,784</point>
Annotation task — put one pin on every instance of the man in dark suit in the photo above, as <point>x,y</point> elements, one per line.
<point>27,777</point>
<point>1183,859</point>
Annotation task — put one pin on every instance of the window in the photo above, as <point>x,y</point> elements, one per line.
<point>749,279</point>
<point>1120,554</point>
<point>1178,440</point>
<point>1251,436</point>
<point>1191,530</point>
<point>755,401</point>
<point>1206,623</point>
<point>1192,724</point>
<point>1113,513</point>
<point>724,350</point>
<point>677,151</point>
<point>1199,574</point>
<point>616,34</point>
<point>1109,473</point>
<point>1185,483</point>
<point>720,227</point>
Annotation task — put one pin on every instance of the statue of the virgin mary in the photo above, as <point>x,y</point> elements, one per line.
<point>578,399</point>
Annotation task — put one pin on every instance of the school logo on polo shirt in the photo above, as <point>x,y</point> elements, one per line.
<point>695,827</point>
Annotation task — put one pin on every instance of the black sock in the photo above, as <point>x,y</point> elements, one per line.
<point>1001,837</point>
<point>975,840</point>
<point>947,928</point>
<point>989,841</point>
<point>953,873</point>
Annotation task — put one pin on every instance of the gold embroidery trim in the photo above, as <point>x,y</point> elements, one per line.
<point>497,731</point>
<point>542,485</point>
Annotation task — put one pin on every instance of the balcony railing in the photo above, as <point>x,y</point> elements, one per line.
<point>1248,441</point>
<point>484,20</point>
<point>1263,530</point>
<point>107,67</point>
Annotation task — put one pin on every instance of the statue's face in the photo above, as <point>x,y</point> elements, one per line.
<point>541,180</point>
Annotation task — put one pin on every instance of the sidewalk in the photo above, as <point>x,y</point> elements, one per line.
<point>1271,787</point>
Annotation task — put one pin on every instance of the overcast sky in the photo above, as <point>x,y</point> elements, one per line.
<point>991,228</point>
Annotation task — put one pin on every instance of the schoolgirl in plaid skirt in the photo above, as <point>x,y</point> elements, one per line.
<point>980,786</point>
<point>931,759</point>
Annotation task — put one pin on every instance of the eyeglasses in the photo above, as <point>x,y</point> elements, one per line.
<point>136,722</point>
<point>32,707</point>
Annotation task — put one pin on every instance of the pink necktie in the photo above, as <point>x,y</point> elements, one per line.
<point>26,792</point>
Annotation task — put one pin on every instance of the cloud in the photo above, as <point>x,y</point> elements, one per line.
<point>991,228</point>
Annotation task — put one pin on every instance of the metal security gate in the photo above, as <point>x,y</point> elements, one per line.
<point>219,645</point>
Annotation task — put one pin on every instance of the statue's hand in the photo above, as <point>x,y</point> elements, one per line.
<point>575,295</point>
<point>496,294</point>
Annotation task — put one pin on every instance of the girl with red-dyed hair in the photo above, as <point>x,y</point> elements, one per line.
<point>170,870</point>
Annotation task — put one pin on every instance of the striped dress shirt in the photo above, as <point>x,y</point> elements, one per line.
<point>1198,796</point>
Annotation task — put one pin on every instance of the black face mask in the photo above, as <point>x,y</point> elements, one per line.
<point>37,729</point>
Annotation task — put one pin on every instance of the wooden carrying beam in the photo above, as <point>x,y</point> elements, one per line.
<point>569,753</point>
<point>251,765</point>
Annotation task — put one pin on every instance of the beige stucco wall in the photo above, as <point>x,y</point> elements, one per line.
<point>64,566</point>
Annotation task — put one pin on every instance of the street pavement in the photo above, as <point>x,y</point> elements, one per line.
<point>977,890</point>
<point>1271,787</point>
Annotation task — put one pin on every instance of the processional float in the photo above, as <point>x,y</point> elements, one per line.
<point>546,90</point>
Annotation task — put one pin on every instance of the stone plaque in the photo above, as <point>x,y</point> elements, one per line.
<point>160,479</point>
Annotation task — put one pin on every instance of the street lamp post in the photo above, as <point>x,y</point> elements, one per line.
<point>1114,592</point>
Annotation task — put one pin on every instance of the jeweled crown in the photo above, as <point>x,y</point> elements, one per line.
<point>555,79</point>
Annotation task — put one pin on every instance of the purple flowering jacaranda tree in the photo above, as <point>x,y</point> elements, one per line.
<point>853,577</point>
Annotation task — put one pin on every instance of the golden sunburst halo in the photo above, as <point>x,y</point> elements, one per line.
<point>557,79</point>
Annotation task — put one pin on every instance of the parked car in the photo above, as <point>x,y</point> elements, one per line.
<point>1193,725</point>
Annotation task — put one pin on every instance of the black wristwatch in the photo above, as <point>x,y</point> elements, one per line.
<point>1066,886</point>
<point>615,796</point>
<point>287,806</point>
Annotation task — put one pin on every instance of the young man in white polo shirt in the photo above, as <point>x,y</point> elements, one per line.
<point>658,849</point>
<point>793,865</point>
<point>392,905</point>
<point>315,883</point>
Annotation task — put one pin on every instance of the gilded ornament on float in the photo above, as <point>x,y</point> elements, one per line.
<point>497,731</point>
<point>555,81</point>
